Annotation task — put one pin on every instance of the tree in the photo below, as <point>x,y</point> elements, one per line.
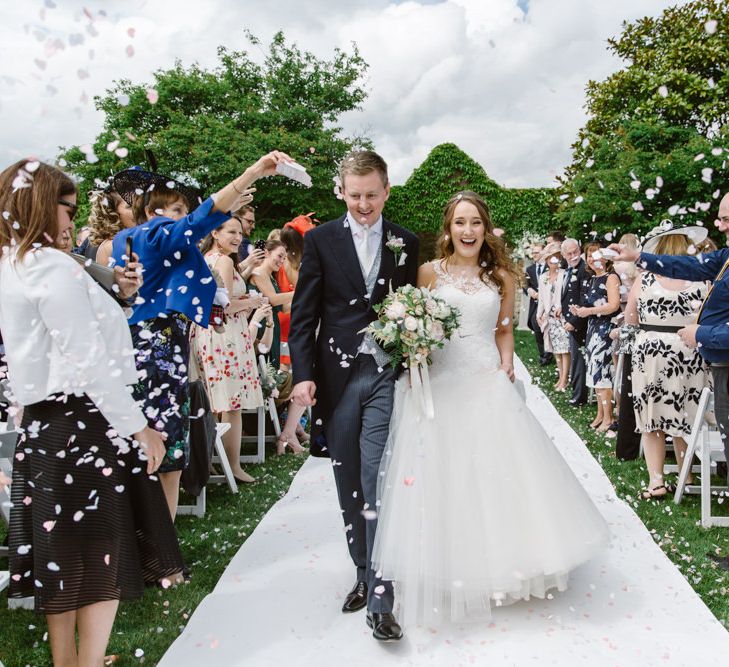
<point>649,121</point>
<point>206,126</point>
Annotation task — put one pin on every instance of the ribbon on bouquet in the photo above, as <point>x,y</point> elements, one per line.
<point>420,382</point>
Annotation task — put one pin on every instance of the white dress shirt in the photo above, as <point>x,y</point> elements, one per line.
<point>366,241</point>
<point>64,334</point>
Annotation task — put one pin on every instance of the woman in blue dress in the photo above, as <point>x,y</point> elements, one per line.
<point>600,304</point>
<point>178,289</point>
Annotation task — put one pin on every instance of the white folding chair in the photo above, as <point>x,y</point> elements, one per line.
<point>198,508</point>
<point>705,443</point>
<point>7,451</point>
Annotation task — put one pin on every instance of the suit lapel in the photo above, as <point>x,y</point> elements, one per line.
<point>387,267</point>
<point>346,255</point>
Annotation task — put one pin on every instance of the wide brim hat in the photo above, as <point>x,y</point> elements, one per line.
<point>550,249</point>
<point>135,182</point>
<point>694,233</point>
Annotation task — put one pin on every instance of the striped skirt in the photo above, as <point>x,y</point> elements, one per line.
<point>87,524</point>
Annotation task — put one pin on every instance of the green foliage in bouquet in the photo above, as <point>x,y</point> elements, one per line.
<point>411,322</point>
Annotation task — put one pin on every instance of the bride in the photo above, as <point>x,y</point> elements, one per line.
<point>476,507</point>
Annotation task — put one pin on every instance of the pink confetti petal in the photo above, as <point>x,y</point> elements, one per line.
<point>130,50</point>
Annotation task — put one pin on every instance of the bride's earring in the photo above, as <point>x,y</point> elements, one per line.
<point>446,237</point>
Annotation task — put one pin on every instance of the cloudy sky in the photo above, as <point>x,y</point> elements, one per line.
<point>503,79</point>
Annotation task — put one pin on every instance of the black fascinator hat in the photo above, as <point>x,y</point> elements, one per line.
<point>136,182</point>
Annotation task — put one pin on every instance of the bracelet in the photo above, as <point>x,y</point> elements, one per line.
<point>236,189</point>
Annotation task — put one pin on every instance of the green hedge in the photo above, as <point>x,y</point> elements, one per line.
<point>418,204</point>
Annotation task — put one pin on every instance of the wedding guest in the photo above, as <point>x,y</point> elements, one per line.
<point>627,271</point>
<point>549,313</point>
<point>576,281</point>
<point>226,362</point>
<point>178,290</point>
<point>531,289</point>
<point>109,215</point>
<point>292,236</point>
<point>555,237</point>
<point>264,280</point>
<point>88,525</point>
<point>668,376</point>
<point>274,235</point>
<point>710,334</point>
<point>247,216</point>
<point>600,303</point>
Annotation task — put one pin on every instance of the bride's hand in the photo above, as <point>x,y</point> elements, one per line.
<point>509,370</point>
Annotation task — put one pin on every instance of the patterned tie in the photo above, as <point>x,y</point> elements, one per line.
<point>708,294</point>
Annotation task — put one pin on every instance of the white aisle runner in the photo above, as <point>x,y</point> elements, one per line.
<point>279,600</point>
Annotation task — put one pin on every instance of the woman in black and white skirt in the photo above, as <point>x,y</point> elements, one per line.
<point>88,523</point>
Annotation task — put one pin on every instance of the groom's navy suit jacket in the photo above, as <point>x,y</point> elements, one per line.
<point>331,294</point>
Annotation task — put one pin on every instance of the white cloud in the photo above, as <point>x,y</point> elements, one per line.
<point>506,86</point>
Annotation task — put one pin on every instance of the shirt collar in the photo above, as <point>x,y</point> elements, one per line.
<point>356,227</point>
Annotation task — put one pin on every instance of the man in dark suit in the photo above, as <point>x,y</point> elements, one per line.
<point>348,266</point>
<point>575,285</point>
<point>531,289</point>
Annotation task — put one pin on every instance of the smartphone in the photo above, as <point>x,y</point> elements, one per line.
<point>260,244</point>
<point>129,249</point>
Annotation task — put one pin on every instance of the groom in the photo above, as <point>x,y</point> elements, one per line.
<point>349,264</point>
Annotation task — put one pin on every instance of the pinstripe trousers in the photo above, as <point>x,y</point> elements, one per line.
<point>356,437</point>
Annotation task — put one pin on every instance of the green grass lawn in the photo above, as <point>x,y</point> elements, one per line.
<point>153,622</point>
<point>675,528</point>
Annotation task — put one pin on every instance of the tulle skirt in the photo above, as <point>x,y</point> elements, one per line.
<point>477,507</point>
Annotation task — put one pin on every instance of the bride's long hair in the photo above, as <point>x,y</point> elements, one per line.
<point>493,256</point>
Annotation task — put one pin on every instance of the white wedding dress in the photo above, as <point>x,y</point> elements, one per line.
<point>476,507</point>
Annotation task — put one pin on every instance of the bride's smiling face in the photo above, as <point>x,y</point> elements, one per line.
<point>467,230</point>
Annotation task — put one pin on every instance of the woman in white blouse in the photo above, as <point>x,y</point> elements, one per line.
<point>88,525</point>
<point>549,313</point>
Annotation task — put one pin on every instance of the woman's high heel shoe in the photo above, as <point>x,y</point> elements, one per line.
<point>302,436</point>
<point>288,440</point>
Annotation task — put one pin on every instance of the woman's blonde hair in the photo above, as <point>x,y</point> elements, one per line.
<point>673,244</point>
<point>493,257</point>
<point>104,222</point>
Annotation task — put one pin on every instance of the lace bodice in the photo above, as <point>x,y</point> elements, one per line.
<point>472,349</point>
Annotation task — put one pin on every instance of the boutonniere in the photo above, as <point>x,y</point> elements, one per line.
<point>395,244</point>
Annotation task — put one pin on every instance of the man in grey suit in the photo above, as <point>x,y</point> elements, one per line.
<point>348,266</point>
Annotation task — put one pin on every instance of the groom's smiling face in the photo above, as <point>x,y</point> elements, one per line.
<point>365,196</point>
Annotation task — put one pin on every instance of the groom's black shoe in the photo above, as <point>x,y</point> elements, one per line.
<point>384,626</point>
<point>356,598</point>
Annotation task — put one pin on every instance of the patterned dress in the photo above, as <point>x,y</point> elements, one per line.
<point>226,362</point>
<point>162,348</point>
<point>668,376</point>
<point>598,345</point>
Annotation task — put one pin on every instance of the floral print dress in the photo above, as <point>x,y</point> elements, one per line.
<point>226,362</point>
<point>668,376</point>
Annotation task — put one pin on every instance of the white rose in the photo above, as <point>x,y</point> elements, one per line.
<point>395,311</point>
<point>411,324</point>
<point>431,306</point>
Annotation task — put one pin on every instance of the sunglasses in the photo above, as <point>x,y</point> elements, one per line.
<point>73,208</point>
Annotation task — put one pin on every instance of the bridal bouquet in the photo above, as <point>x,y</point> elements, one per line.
<point>411,322</point>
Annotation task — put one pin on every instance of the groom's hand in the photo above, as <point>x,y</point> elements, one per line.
<point>303,393</point>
